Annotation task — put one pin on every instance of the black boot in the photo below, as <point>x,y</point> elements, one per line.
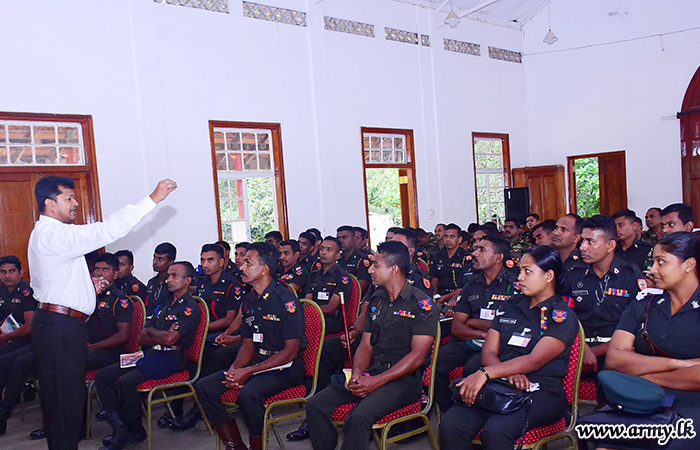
<point>164,419</point>
<point>301,434</point>
<point>38,434</point>
<point>185,421</point>
<point>3,427</point>
<point>102,415</point>
<point>137,433</point>
<point>120,433</point>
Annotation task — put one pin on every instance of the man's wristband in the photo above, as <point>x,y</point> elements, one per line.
<point>352,328</point>
<point>483,369</point>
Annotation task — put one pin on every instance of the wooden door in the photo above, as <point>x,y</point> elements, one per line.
<point>613,182</point>
<point>18,213</point>
<point>547,189</point>
<point>690,143</point>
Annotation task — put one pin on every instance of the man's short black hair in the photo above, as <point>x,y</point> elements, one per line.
<point>128,254</point>
<point>167,249</point>
<point>274,234</point>
<point>547,225</point>
<point>489,228</point>
<point>626,213</point>
<point>11,259</point>
<point>535,215</point>
<point>225,245</point>
<point>48,188</point>
<point>465,236</point>
<point>394,230</point>
<point>362,232</point>
<point>244,245</point>
<point>453,226</point>
<point>411,236</point>
<point>638,221</point>
<point>606,224</point>
<point>499,244</point>
<point>395,253</point>
<point>685,212</point>
<point>441,225</point>
<point>336,240</point>
<point>342,228</point>
<point>420,232</point>
<point>292,243</point>
<point>189,269</point>
<point>110,259</point>
<point>213,248</point>
<point>309,236</point>
<point>655,208</point>
<point>516,220</point>
<point>316,232</point>
<point>578,222</point>
<point>267,255</point>
<point>472,228</point>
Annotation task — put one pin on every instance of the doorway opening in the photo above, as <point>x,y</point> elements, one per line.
<point>390,184</point>
<point>597,183</point>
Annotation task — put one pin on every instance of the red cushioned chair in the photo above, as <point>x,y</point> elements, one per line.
<point>315,329</point>
<point>138,317</point>
<point>539,437</point>
<point>404,414</point>
<point>352,305</point>
<point>587,392</point>
<point>180,379</point>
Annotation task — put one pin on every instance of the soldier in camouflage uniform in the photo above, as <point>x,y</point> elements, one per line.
<point>512,230</point>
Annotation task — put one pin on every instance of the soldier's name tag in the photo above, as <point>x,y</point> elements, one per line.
<point>323,295</point>
<point>487,314</point>
<point>257,337</point>
<point>519,340</point>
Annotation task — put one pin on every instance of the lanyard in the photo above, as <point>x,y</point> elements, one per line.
<point>603,284</point>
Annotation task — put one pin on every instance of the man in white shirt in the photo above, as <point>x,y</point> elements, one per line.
<point>66,295</point>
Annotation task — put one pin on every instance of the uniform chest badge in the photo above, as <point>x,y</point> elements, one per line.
<point>579,284</point>
<point>219,293</point>
<point>410,281</point>
<point>456,265</point>
<point>558,316</point>
<point>642,283</point>
<point>426,283</point>
<point>318,265</point>
<point>468,257</point>
<point>188,311</point>
<point>102,305</point>
<point>124,302</point>
<point>404,313</point>
<point>291,307</point>
<point>500,297</point>
<point>287,276</point>
<point>510,264</point>
<point>344,280</point>
<point>25,292</point>
<point>330,283</point>
<point>575,257</point>
<point>16,300</point>
<point>617,292</point>
<point>171,317</point>
<point>237,291</point>
<point>366,262</point>
<point>134,287</point>
<point>299,271</point>
<point>272,317</point>
<point>616,270</point>
<point>426,304</point>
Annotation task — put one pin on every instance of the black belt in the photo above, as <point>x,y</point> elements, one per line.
<point>264,352</point>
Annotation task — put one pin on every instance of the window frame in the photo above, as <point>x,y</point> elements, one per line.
<point>505,145</point>
<point>278,169</point>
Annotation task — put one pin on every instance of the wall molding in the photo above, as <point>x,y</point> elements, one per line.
<point>220,6</point>
<point>274,14</point>
<point>348,26</point>
<point>468,48</point>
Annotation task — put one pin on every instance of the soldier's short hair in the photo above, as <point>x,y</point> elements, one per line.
<point>292,243</point>
<point>626,213</point>
<point>499,244</point>
<point>411,236</point>
<point>335,240</point>
<point>218,248</point>
<point>267,255</point>
<point>167,249</point>
<point>110,259</point>
<point>685,212</point>
<point>309,236</point>
<point>453,226</point>
<point>516,220</point>
<point>11,259</point>
<point>128,254</point>
<point>548,226</point>
<point>396,254</point>
<point>606,224</point>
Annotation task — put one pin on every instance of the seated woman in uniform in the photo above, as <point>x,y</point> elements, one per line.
<point>670,357</point>
<point>529,342</point>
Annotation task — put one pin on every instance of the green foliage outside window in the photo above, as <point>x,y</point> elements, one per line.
<point>587,187</point>
<point>383,195</point>
<point>261,207</point>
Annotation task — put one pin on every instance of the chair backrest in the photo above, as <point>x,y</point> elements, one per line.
<point>352,306</point>
<point>429,376</point>
<point>138,318</point>
<point>289,286</point>
<point>315,326</point>
<point>572,379</point>
<point>195,351</point>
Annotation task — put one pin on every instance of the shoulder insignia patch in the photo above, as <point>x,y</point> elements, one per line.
<point>188,311</point>
<point>135,287</point>
<point>370,256</point>
<point>345,280</point>
<point>124,302</point>
<point>25,292</point>
<point>468,257</point>
<point>318,265</point>
<point>299,271</point>
<point>426,304</point>
<point>291,307</point>
<point>366,262</point>
<point>510,264</point>
<point>642,283</point>
<point>426,283</point>
<point>558,316</point>
<point>569,301</point>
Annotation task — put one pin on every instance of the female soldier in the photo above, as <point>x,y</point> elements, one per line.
<point>669,357</point>
<point>529,342</point>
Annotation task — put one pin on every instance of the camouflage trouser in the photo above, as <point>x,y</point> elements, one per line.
<point>648,262</point>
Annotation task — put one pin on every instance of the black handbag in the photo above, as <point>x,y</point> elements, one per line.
<point>502,397</point>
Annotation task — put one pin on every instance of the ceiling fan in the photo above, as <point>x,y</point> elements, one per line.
<point>453,19</point>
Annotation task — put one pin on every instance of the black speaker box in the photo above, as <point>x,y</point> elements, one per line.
<point>517,202</point>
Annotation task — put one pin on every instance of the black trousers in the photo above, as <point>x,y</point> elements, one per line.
<point>462,423</point>
<point>100,358</point>
<point>15,381</point>
<point>333,357</point>
<point>251,398</point>
<point>223,357</point>
<point>60,347</point>
<point>118,392</point>
<point>9,353</point>
<point>454,354</point>
<point>358,424</point>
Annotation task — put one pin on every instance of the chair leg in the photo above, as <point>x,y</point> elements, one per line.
<point>148,418</point>
<point>277,436</point>
<point>431,434</point>
<point>201,410</point>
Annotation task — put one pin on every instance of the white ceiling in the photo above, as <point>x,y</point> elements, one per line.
<point>511,13</point>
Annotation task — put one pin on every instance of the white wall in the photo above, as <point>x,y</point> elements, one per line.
<point>615,97</point>
<point>152,76</point>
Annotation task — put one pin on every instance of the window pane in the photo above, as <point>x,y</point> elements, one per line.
<point>249,142</point>
<point>263,142</point>
<point>219,141</point>
<point>46,155</point>
<point>387,142</point>
<point>481,179</point>
<point>226,231</point>
<point>44,135</point>
<point>398,156</point>
<point>398,143</point>
<point>220,161</point>
<point>493,162</point>
<point>21,155</point>
<point>481,196</point>
<point>264,161</point>
<point>3,134</point>
<point>3,155</point>
<point>69,155</point>
<point>68,135</point>
<point>226,210</point>
<point>496,180</point>
<point>366,156</point>
<point>375,156</point>
<point>499,209</point>
<point>496,196</point>
<point>480,161</point>
<point>365,142</point>
<point>388,157</point>
<point>224,192</point>
<point>261,207</point>
<point>240,232</point>
<point>233,140</point>
<point>20,134</point>
<point>235,162</point>
<point>376,142</point>
<point>250,161</point>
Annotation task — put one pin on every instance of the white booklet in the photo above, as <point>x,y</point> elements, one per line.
<point>9,325</point>
<point>283,366</point>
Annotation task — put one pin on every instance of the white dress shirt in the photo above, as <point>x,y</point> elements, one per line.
<point>56,254</point>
